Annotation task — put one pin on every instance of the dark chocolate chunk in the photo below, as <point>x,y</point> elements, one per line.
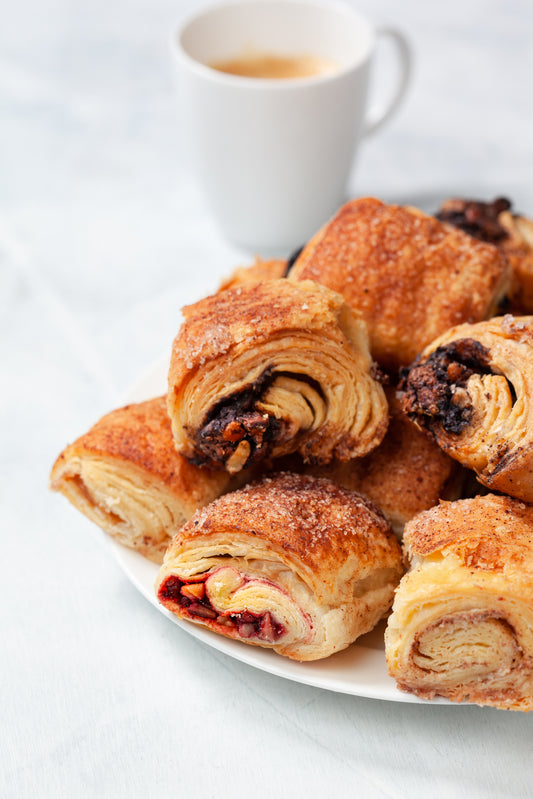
<point>431,386</point>
<point>478,219</point>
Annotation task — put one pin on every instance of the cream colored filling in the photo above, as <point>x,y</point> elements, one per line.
<point>465,647</point>
<point>230,591</point>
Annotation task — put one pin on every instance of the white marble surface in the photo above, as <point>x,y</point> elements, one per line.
<point>103,236</point>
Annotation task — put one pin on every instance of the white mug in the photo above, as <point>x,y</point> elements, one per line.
<point>274,155</point>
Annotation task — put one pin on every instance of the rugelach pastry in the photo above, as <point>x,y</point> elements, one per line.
<point>272,368</point>
<point>406,474</point>
<point>512,233</point>
<point>472,389</point>
<point>411,276</point>
<point>293,563</point>
<point>126,476</point>
<point>462,620</point>
<point>483,220</point>
<point>255,273</point>
<point>518,249</point>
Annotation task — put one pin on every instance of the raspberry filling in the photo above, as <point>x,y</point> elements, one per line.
<point>192,598</point>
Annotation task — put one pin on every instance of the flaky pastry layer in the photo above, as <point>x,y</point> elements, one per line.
<point>293,563</point>
<point>462,621</point>
<point>473,389</point>
<point>272,368</point>
<point>125,475</point>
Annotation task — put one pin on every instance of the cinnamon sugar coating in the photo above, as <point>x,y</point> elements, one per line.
<point>320,523</point>
<point>250,314</point>
<point>313,562</point>
<point>266,369</point>
<point>496,222</point>
<point>410,275</point>
<point>139,434</point>
<point>493,533</point>
<point>126,476</point>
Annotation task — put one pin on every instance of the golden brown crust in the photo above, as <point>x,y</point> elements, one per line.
<point>324,555</point>
<point>494,533</point>
<point>271,368</point>
<point>309,518</point>
<point>216,325</point>
<point>255,273</point>
<point>138,434</point>
<point>411,276</point>
<point>473,389</point>
<point>462,621</point>
<point>130,454</point>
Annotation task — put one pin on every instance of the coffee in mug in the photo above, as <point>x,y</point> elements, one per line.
<point>274,155</point>
<point>276,67</point>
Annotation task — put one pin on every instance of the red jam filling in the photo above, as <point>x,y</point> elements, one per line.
<point>192,598</point>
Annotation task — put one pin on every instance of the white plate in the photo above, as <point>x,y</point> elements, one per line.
<point>359,670</point>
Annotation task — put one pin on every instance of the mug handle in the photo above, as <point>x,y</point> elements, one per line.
<point>380,112</point>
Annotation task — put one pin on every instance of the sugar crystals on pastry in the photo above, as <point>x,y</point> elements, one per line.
<point>410,275</point>
<point>267,369</point>
<point>462,621</point>
<point>125,475</point>
<point>293,563</point>
<point>473,389</point>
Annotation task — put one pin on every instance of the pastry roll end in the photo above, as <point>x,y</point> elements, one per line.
<point>293,563</point>
<point>268,369</point>
<point>462,620</point>
<point>125,475</point>
<point>472,388</point>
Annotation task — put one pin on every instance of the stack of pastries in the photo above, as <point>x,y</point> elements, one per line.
<point>346,436</point>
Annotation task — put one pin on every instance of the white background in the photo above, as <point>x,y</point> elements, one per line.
<point>103,237</point>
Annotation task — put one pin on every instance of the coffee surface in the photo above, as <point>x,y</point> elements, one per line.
<point>273,66</point>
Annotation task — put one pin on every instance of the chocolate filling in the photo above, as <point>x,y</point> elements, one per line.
<point>476,218</point>
<point>431,386</point>
<point>236,418</point>
<point>191,597</point>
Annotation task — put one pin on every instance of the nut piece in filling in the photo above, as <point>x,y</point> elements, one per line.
<point>294,563</point>
<point>462,620</point>
<point>432,386</point>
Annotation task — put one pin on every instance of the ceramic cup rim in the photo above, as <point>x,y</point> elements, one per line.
<point>268,84</point>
